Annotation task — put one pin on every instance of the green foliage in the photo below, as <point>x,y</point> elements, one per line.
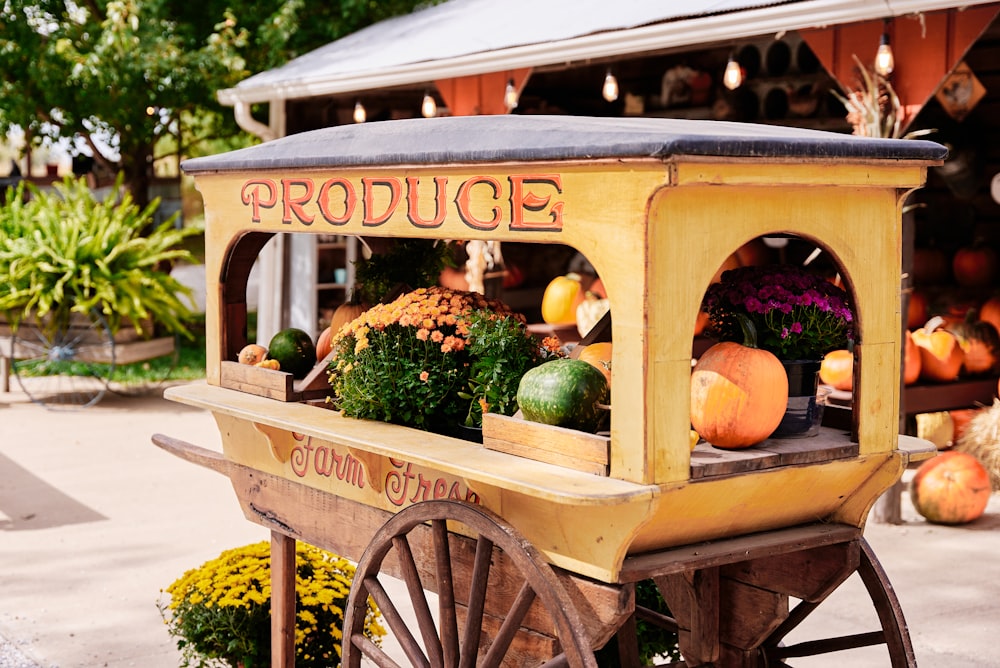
<point>220,612</point>
<point>120,75</point>
<point>66,252</point>
<point>407,263</point>
<point>411,361</point>
<point>654,641</point>
<point>501,351</point>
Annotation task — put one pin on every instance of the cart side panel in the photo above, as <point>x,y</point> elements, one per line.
<point>694,227</point>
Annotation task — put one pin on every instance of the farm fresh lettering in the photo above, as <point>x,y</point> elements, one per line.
<point>404,485</point>
<point>326,461</point>
<point>522,202</point>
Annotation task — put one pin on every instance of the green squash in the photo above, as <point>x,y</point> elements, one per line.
<point>564,393</point>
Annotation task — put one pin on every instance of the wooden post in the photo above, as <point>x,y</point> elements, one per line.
<point>282,601</point>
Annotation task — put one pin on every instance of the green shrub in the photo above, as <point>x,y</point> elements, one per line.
<point>64,252</point>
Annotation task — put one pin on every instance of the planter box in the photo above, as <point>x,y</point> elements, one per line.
<point>571,448</point>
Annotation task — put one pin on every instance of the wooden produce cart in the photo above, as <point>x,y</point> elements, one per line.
<point>534,559</point>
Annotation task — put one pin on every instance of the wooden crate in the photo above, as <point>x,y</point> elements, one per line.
<point>279,385</point>
<point>571,448</point>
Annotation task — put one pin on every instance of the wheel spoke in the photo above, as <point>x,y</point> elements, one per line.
<point>418,599</point>
<point>373,651</point>
<point>446,594</point>
<point>511,623</point>
<point>477,602</point>
<point>394,620</point>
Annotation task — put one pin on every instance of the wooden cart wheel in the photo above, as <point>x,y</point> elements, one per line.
<point>155,371</point>
<point>894,634</point>
<point>444,643</point>
<point>64,365</point>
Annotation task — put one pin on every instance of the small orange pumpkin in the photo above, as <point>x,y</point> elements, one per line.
<point>837,369</point>
<point>916,310</point>
<point>990,312</point>
<point>739,393</point>
<point>324,344</point>
<point>940,352</point>
<point>251,354</point>
<point>598,355</point>
<point>951,488</point>
<point>975,266</point>
<point>559,300</point>
<point>911,361</point>
<point>980,345</point>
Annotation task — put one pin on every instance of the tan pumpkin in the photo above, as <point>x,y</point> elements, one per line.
<point>941,353</point>
<point>346,313</point>
<point>559,300</point>
<point>590,311</point>
<point>739,394</point>
<point>951,488</point>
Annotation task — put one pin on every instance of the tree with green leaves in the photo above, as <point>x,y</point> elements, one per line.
<point>129,81</point>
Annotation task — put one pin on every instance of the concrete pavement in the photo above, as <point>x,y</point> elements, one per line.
<point>95,521</point>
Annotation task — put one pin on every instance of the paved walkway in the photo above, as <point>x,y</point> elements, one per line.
<point>95,520</point>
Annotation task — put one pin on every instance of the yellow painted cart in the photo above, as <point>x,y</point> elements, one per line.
<point>503,531</point>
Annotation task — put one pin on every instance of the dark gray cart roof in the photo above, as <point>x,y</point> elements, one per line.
<point>472,139</point>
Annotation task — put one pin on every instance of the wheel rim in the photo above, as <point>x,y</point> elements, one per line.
<point>65,365</point>
<point>444,643</point>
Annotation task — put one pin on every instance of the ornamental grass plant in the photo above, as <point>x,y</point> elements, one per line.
<point>797,315</point>
<point>65,252</point>
<point>433,359</point>
<point>220,612</point>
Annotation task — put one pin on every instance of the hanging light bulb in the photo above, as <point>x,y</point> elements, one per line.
<point>610,89</point>
<point>428,107</point>
<point>733,76</point>
<point>885,62</point>
<point>360,115</point>
<point>510,96</point>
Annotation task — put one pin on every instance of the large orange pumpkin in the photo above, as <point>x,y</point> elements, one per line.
<point>559,300</point>
<point>598,355</point>
<point>951,488</point>
<point>940,352</point>
<point>739,394</point>
<point>837,369</point>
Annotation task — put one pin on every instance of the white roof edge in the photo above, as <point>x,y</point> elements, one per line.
<point>720,27</point>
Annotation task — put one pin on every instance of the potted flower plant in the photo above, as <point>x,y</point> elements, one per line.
<point>798,316</point>
<point>433,359</point>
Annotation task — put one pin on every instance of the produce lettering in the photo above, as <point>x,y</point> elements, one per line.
<point>526,202</point>
<point>404,486</point>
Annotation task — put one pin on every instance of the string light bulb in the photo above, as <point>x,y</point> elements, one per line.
<point>610,89</point>
<point>428,107</point>
<point>510,96</point>
<point>732,78</point>
<point>360,115</point>
<point>885,61</point>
